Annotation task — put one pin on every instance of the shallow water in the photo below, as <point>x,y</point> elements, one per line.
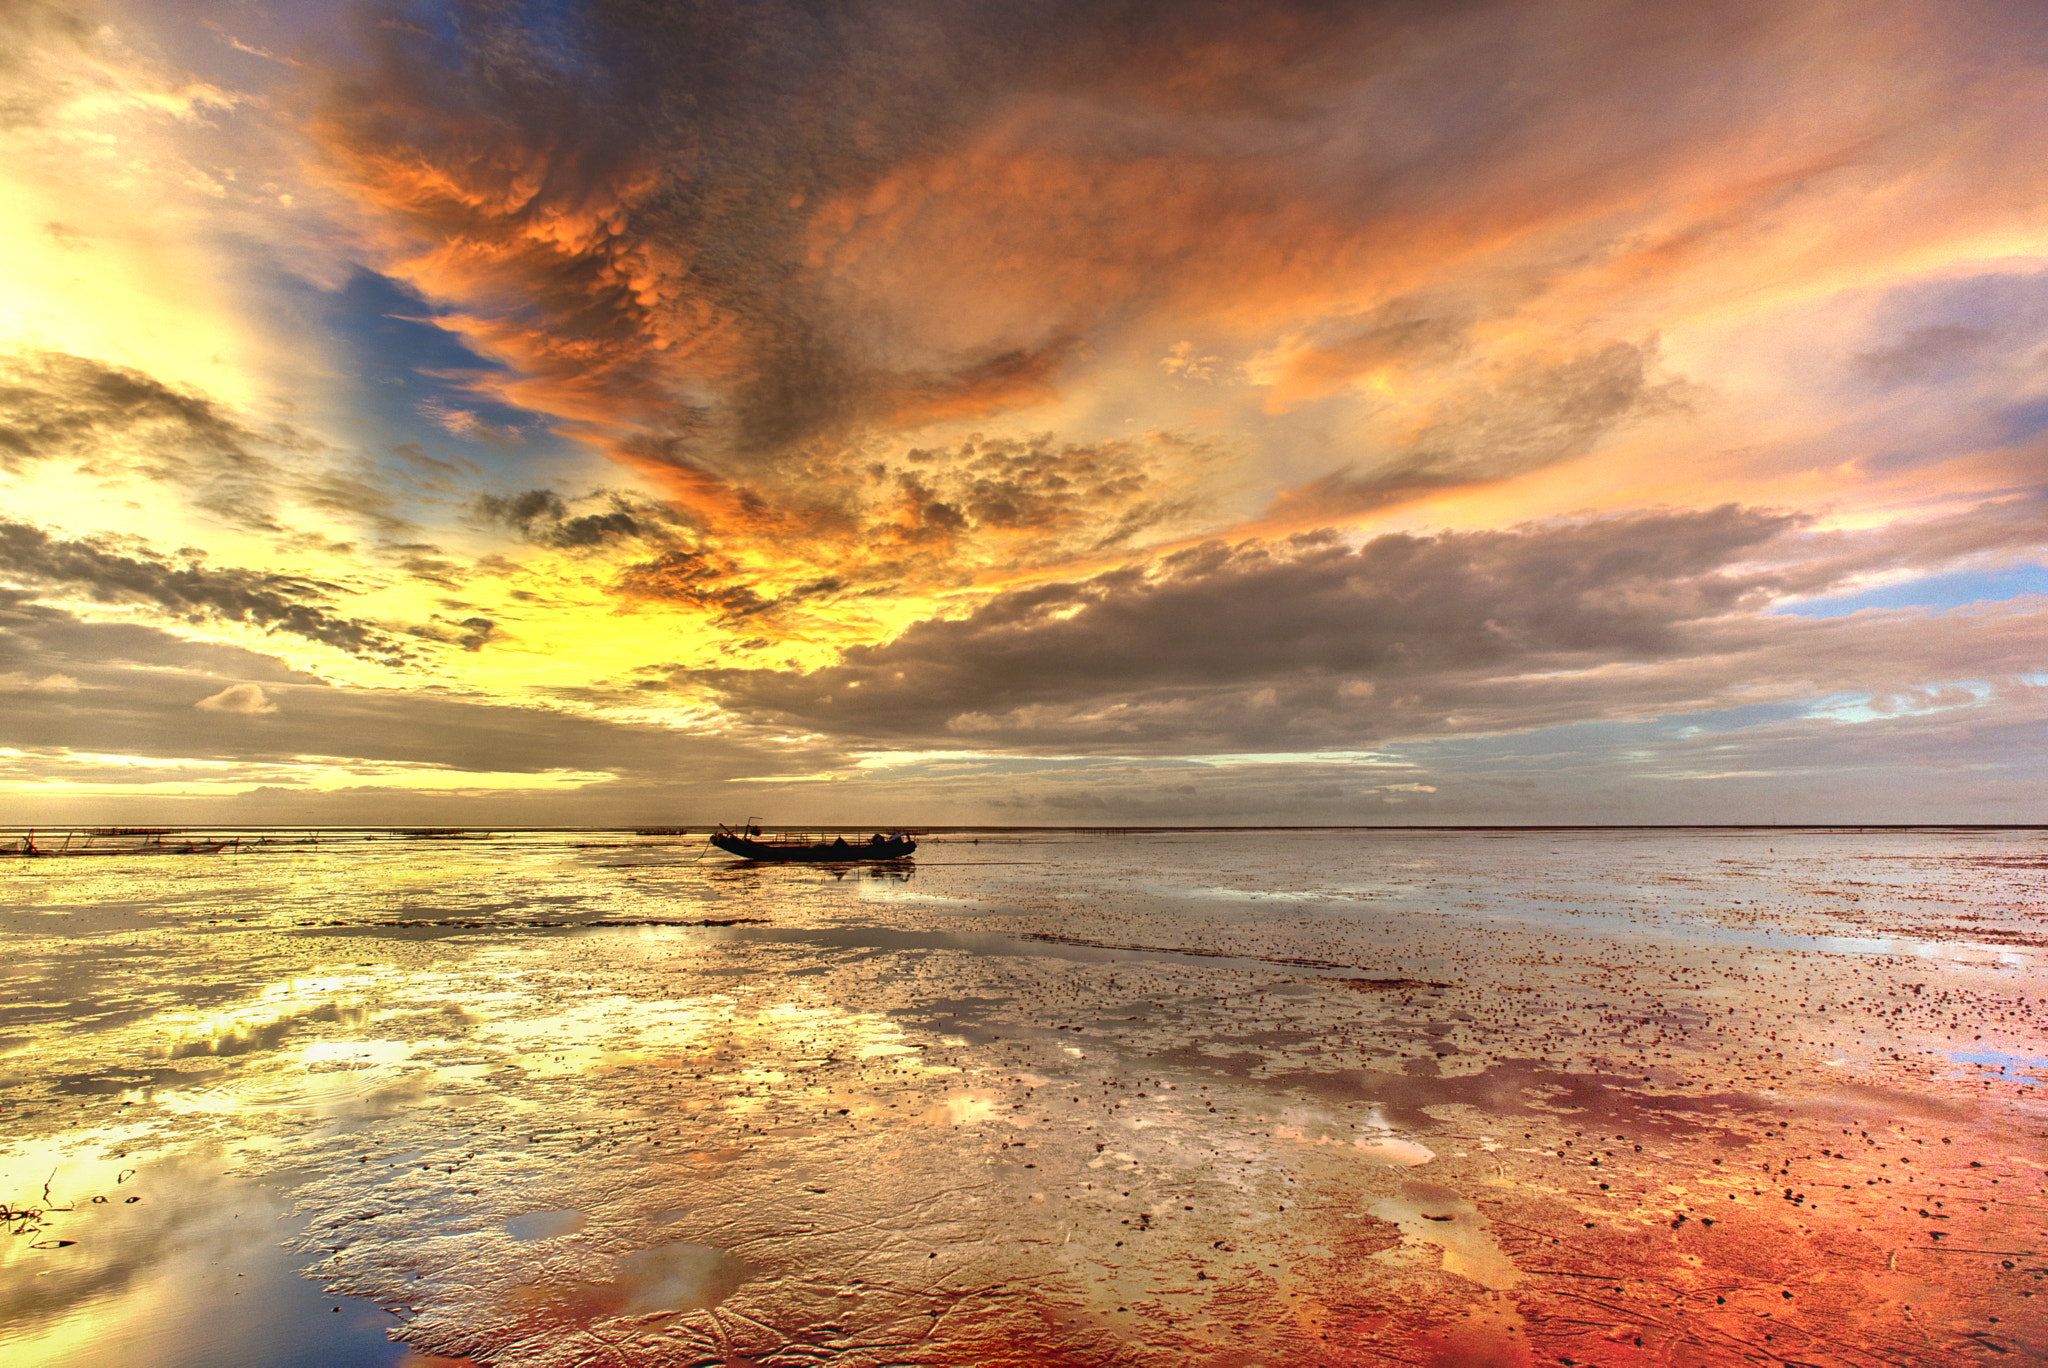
<point>1213,1098</point>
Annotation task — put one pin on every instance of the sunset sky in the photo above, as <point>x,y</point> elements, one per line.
<point>1038,412</point>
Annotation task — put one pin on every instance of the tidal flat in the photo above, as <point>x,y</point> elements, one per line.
<point>1176,1098</point>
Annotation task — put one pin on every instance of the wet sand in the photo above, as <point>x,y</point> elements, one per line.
<point>1254,1098</point>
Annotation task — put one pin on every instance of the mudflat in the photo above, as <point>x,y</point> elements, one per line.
<point>1286,1097</point>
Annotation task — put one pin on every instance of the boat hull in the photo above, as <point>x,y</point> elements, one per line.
<point>822,852</point>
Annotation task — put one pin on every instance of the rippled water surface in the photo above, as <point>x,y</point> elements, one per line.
<point>1179,1098</point>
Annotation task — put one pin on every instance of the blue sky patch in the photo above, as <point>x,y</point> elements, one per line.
<point>1933,591</point>
<point>409,374</point>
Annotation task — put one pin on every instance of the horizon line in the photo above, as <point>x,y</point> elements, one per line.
<point>705,828</point>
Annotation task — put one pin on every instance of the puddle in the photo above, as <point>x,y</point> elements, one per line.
<point>1384,1147</point>
<point>677,1277</point>
<point>1998,1058</point>
<point>1437,1216</point>
<point>545,1225</point>
<point>197,1269</point>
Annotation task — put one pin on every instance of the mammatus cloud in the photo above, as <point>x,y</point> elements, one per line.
<point>639,180</point>
<point>779,261</point>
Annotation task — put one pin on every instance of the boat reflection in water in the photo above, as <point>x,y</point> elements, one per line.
<point>748,843</point>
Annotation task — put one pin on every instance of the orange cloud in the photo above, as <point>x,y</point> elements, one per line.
<point>760,291</point>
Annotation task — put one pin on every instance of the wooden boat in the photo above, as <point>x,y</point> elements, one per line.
<point>746,843</point>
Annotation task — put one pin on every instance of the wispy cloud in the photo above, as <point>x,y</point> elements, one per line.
<point>35,558</point>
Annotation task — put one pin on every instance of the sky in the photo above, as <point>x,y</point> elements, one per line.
<point>1111,413</point>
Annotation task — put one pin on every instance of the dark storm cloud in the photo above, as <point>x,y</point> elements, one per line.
<point>1219,616</point>
<point>1310,643</point>
<point>30,556</point>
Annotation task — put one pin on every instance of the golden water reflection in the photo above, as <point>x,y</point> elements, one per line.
<point>1022,1115</point>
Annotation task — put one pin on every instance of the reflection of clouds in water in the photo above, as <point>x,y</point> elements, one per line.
<point>580,1315</point>
<point>190,1272</point>
<point>962,1109</point>
<point>262,1022</point>
<point>757,1043</point>
<point>678,1277</point>
<point>884,1051</point>
<point>1376,1141</point>
<point>545,1225</point>
<point>1387,1148</point>
<point>1381,1143</point>
<point>1427,1214</point>
<point>934,1110</point>
<point>325,1091</point>
<point>326,1075</point>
